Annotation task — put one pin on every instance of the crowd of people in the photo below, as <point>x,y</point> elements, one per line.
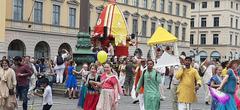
<point>102,85</point>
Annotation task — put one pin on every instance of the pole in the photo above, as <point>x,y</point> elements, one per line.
<point>153,54</point>
<point>84,16</point>
<point>198,37</point>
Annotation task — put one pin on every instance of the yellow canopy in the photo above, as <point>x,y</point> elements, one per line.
<point>160,36</point>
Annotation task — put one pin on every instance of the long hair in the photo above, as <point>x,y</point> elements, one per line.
<point>232,63</point>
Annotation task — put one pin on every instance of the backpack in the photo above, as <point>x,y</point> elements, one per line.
<point>60,60</point>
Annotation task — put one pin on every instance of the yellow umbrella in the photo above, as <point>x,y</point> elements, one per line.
<point>160,36</point>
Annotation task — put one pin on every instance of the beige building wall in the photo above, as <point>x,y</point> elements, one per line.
<point>31,34</point>
<point>228,47</point>
<point>2,20</point>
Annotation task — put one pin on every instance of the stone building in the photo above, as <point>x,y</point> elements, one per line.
<point>215,30</point>
<point>40,28</point>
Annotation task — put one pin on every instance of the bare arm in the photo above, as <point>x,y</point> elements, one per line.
<point>75,72</point>
<point>116,92</point>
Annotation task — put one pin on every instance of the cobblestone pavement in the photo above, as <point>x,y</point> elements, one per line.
<point>62,103</point>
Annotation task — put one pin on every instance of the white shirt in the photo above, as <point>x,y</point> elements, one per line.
<point>208,73</point>
<point>65,55</point>
<point>47,96</point>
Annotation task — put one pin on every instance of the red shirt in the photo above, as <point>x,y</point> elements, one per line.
<point>109,83</point>
<point>23,80</point>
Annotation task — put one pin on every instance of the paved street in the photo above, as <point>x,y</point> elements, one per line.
<point>61,103</point>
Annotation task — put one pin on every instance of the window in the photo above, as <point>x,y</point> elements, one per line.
<point>170,28</point>
<point>236,40</point>
<point>135,3</point>
<point>145,3</point>
<point>56,15</point>
<point>191,38</point>
<point>72,17</point>
<point>204,4</point>
<point>154,5</point>
<point>18,10</point>
<point>125,1</point>
<point>153,27</point>
<point>216,4</point>
<point>176,31</point>
<point>162,6</point>
<point>183,33</point>
<point>38,12</point>
<point>231,22</point>
<point>230,39</point>
<point>231,4</point>
<point>144,28</point>
<point>236,6</point>
<point>215,39</point>
<point>203,22</point>
<point>177,9</point>
<point>135,27</point>
<point>236,23</point>
<point>192,22</point>
<point>192,5</point>
<point>203,39</point>
<point>184,10</point>
<point>170,7</point>
<point>216,22</point>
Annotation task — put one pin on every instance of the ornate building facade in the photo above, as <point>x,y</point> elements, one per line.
<point>40,28</point>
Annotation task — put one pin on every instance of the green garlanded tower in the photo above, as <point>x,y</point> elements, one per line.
<point>83,52</point>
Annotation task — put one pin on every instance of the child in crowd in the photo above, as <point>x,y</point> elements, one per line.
<point>47,95</point>
<point>215,82</point>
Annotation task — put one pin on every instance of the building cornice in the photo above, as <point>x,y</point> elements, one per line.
<point>126,13</point>
<point>41,32</point>
<point>73,2</point>
<point>213,46</point>
<point>145,17</point>
<point>189,1</point>
<point>150,10</point>
<point>42,24</point>
<point>219,11</point>
<point>207,28</point>
<point>60,1</point>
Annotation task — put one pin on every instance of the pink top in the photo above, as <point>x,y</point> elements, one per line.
<point>108,81</point>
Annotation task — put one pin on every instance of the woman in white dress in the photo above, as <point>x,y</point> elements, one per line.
<point>8,84</point>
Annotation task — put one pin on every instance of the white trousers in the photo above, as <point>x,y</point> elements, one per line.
<point>184,106</point>
<point>207,93</point>
<point>59,78</point>
<point>141,101</point>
